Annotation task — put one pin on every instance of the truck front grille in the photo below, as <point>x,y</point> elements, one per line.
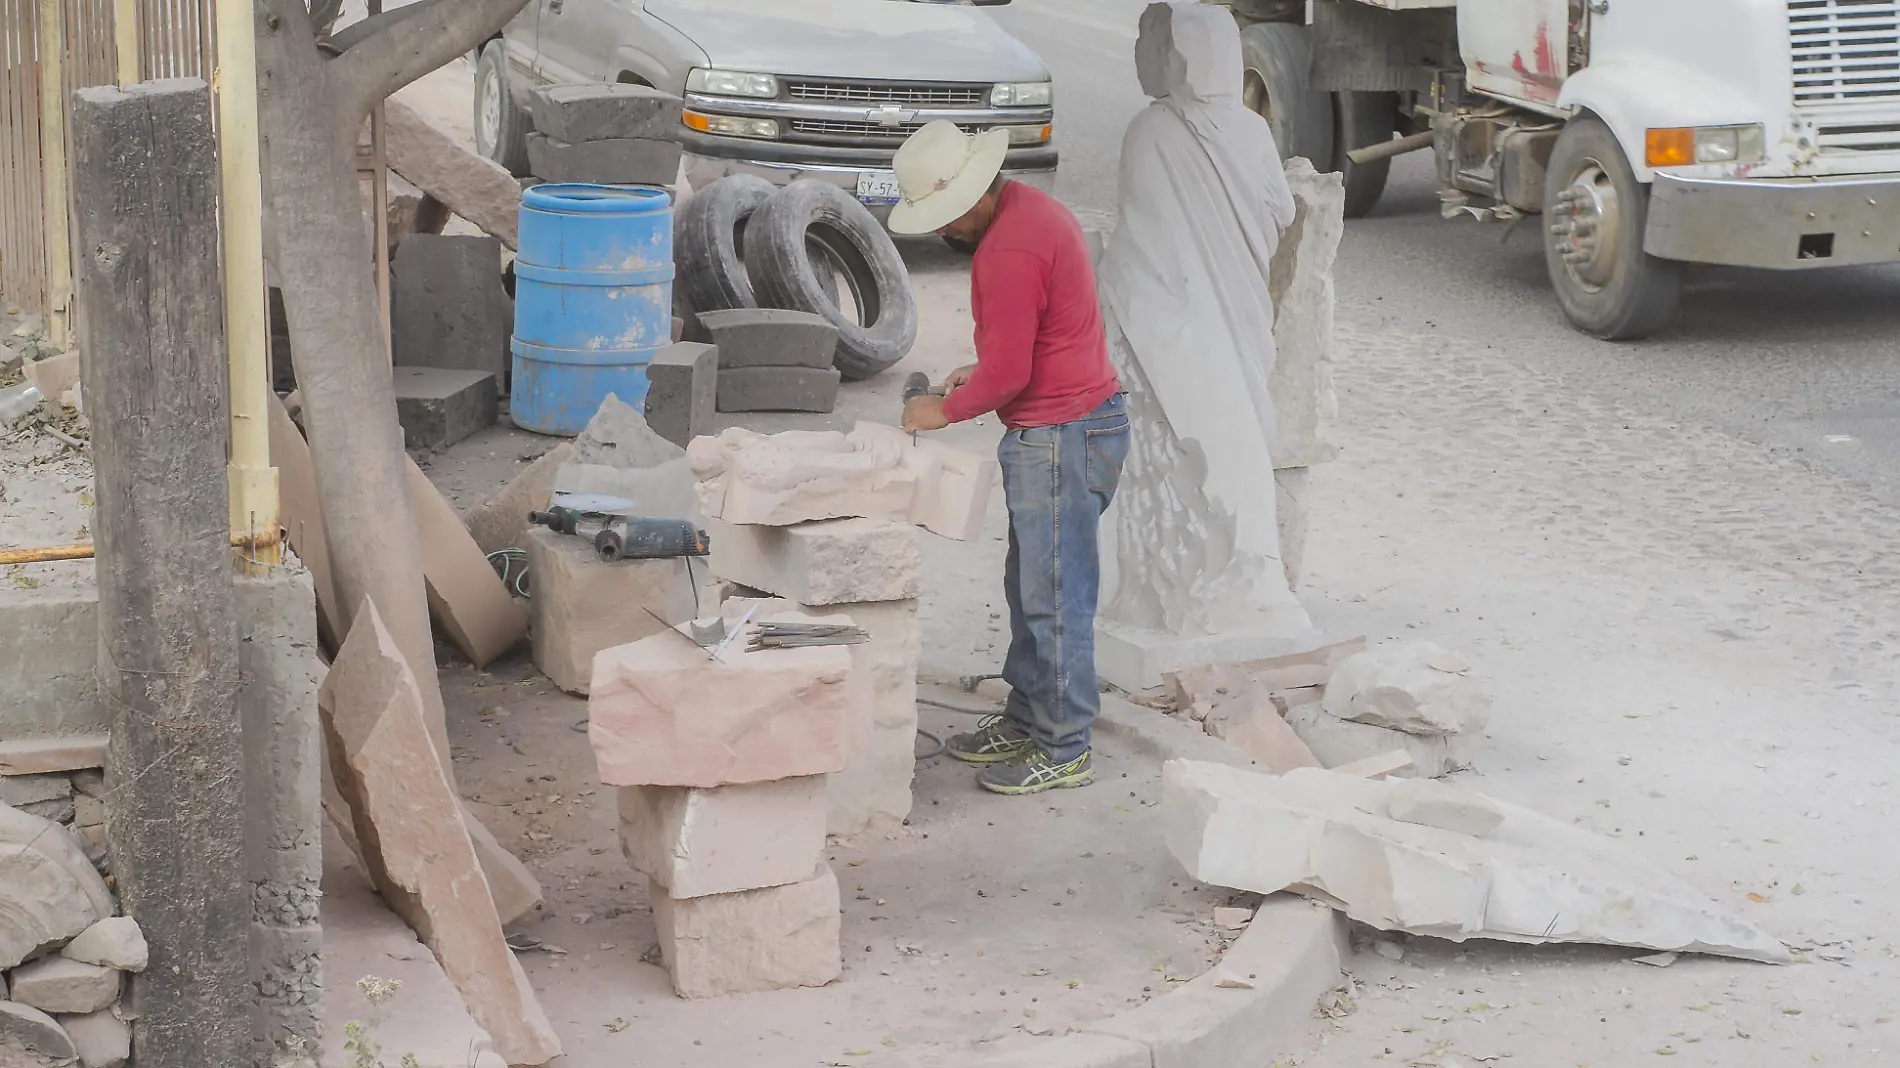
<point>1845,51</point>
<point>1859,137</point>
<point>897,94</point>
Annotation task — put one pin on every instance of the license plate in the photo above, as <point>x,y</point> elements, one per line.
<point>878,187</point>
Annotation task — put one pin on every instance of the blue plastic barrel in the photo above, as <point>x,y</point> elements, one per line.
<point>593,300</point>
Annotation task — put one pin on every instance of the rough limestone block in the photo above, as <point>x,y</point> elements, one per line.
<point>771,337</point>
<point>662,491</point>
<point>873,792</point>
<point>52,891</point>
<point>755,940</point>
<point>1337,742</point>
<point>694,843</point>
<point>17,790</point>
<point>583,604</point>
<point>100,1039</point>
<point>617,161</point>
<point>832,561</point>
<point>49,666</point>
<point>60,984</point>
<point>1434,804</point>
<point>661,713</point>
<point>1301,286</point>
<point>450,170</point>
<point>448,307</point>
<point>42,1042</point>
<point>114,942</point>
<point>1533,880</point>
<point>439,406</point>
<point>778,389</point>
<point>1416,687</point>
<point>953,490</point>
<point>501,521</point>
<point>409,825</point>
<point>682,388</point>
<point>592,112</point>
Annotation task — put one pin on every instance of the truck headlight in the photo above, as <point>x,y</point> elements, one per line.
<point>731,83</point>
<point>729,125</point>
<point>1027,135</point>
<point>1681,146</point>
<point>1022,95</point>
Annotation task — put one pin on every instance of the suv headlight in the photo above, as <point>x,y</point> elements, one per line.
<point>1022,95</point>
<point>731,83</point>
<point>729,125</point>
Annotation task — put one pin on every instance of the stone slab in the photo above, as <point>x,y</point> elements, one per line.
<point>448,307</point>
<point>501,521</point>
<point>100,1039</point>
<point>771,337</point>
<point>34,756</point>
<point>695,843</point>
<point>583,604</point>
<point>439,406</point>
<point>450,170</point>
<point>615,161</point>
<point>60,984</point>
<point>466,598</point>
<point>1433,804</point>
<point>821,563</point>
<point>18,790</point>
<point>682,391</point>
<point>778,389</point>
<point>1137,659</point>
<point>597,112</point>
<point>49,665</point>
<point>756,940</point>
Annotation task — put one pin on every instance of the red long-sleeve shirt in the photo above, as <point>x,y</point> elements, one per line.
<point>1041,356</point>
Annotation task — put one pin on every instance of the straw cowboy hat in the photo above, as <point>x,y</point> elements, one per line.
<point>942,172</point>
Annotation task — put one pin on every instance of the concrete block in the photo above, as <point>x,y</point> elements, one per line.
<point>60,984</point>
<point>598,112</point>
<point>828,562</point>
<point>100,1039</point>
<point>778,389</point>
<point>771,337</point>
<point>682,389</point>
<point>48,667</point>
<point>755,940</point>
<point>448,307</point>
<point>662,713</point>
<point>616,161</point>
<point>43,1041</point>
<point>501,521</point>
<point>583,604</point>
<point>439,406</point>
<point>694,843</point>
<point>1415,687</point>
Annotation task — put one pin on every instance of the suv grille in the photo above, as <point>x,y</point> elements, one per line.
<point>901,94</point>
<point>1845,51</point>
<point>823,129</point>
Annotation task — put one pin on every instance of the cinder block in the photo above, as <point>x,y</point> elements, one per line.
<point>778,389</point>
<point>583,604</point>
<point>695,843</point>
<point>448,307</point>
<point>682,387</point>
<point>833,561</point>
<point>755,940</point>
<point>439,406</point>
<point>575,113</point>
<point>619,161</point>
<point>771,337</point>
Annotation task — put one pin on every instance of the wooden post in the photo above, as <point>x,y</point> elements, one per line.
<point>152,356</point>
<point>55,214</point>
<point>125,40</point>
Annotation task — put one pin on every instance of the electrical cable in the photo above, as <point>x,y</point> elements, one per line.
<point>934,753</point>
<point>506,567</point>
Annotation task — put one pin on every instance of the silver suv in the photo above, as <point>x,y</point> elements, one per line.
<point>783,89</point>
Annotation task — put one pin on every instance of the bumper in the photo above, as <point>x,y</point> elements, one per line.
<point>709,159</point>
<point>1777,223</point>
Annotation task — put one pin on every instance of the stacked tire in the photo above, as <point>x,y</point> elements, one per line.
<point>742,242</point>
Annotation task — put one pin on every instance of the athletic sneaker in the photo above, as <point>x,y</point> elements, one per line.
<point>997,738</point>
<point>1034,772</point>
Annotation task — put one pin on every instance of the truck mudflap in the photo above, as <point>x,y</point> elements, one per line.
<point>1777,223</point>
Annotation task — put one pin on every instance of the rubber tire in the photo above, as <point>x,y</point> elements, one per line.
<point>511,147</point>
<point>783,275</point>
<point>1644,292</point>
<point>1280,55</point>
<point>709,243</point>
<point>1363,119</point>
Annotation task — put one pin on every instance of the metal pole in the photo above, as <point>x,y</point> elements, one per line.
<point>125,36</point>
<point>254,524</point>
<point>55,212</point>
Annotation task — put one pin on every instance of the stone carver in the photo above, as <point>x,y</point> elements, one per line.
<point>1194,570</point>
<point>1042,366</point>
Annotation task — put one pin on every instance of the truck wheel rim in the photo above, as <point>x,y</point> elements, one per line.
<point>491,112</point>
<point>1587,226</point>
<point>1254,97</point>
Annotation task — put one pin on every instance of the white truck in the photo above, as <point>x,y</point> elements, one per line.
<point>1646,134</point>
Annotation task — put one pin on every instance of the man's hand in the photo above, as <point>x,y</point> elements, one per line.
<point>924,413</point>
<point>959,377</point>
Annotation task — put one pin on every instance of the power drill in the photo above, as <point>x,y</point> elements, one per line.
<point>623,537</point>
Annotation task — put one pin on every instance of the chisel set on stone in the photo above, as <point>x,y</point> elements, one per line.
<point>803,635</point>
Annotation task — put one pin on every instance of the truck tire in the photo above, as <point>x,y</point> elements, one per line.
<point>709,242</point>
<point>1595,215</point>
<point>783,274</point>
<point>1277,57</point>
<point>501,124</point>
<point>1363,119</point>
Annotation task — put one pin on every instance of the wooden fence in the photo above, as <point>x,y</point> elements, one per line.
<point>173,41</point>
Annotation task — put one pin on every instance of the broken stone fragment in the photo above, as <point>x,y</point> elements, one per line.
<point>1405,686</point>
<point>21,790</point>
<point>100,1039</point>
<point>1336,741</point>
<point>114,942</point>
<point>619,436</point>
<point>1448,808</point>
<point>60,984</point>
<point>31,1039</point>
<point>51,891</point>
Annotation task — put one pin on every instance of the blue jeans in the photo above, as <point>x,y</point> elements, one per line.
<point>1057,481</point>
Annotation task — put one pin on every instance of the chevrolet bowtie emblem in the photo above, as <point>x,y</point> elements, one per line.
<point>889,116</point>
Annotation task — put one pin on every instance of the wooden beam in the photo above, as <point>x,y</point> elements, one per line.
<point>145,168</point>
<point>55,214</point>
